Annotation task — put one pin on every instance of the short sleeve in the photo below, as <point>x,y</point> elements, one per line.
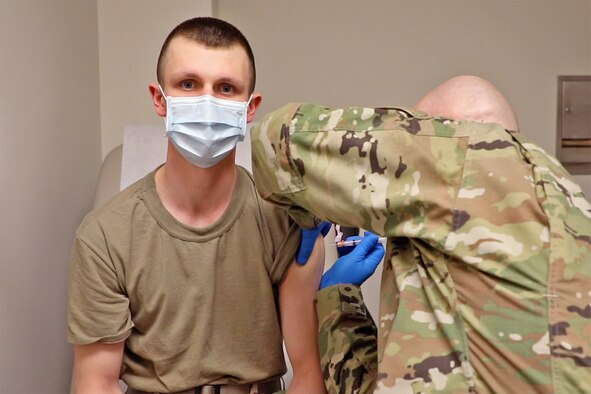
<point>285,235</point>
<point>98,308</point>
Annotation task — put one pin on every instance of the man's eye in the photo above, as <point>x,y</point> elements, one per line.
<point>227,89</point>
<point>188,84</point>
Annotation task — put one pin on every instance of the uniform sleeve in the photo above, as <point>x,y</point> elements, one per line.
<point>98,308</point>
<point>274,171</point>
<point>347,339</point>
<point>388,171</point>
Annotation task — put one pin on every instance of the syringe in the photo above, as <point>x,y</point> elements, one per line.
<point>354,242</point>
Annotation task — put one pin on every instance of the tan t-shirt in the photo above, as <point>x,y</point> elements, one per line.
<point>195,305</point>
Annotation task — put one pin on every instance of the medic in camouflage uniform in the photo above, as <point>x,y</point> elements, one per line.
<point>486,285</point>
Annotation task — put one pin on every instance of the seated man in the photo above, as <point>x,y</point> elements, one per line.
<point>485,286</point>
<point>176,283</point>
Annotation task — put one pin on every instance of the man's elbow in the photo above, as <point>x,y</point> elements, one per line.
<point>95,384</point>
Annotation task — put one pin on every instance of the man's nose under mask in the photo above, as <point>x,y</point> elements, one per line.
<point>205,129</point>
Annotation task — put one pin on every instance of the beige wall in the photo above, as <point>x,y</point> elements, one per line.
<point>131,34</point>
<point>49,158</point>
<point>390,52</point>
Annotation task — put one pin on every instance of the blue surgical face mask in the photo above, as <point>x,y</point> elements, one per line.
<point>204,129</point>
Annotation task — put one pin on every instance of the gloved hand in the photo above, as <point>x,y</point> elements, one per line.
<point>358,265</point>
<point>308,240</point>
<point>345,250</point>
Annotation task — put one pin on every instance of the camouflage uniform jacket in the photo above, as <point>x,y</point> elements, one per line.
<point>486,285</point>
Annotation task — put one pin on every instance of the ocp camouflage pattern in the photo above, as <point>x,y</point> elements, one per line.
<point>486,285</point>
<point>345,304</point>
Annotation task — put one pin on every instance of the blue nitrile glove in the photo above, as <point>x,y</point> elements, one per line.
<point>308,240</point>
<point>358,265</point>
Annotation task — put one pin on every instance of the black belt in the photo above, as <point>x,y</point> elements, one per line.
<point>269,387</point>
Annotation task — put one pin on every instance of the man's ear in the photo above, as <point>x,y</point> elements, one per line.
<point>158,99</point>
<point>255,102</point>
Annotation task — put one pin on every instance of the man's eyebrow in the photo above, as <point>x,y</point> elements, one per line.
<point>184,75</point>
<point>232,81</point>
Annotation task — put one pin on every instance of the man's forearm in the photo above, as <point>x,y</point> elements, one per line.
<point>347,340</point>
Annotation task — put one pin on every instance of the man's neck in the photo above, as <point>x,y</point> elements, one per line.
<point>195,196</point>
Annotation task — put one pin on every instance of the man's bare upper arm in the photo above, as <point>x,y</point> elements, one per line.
<point>305,278</point>
<point>299,322</point>
<point>97,367</point>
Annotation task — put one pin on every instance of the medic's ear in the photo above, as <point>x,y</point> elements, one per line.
<point>158,99</point>
<point>254,104</point>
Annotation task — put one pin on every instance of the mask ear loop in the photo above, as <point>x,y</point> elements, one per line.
<point>164,95</point>
<point>248,105</point>
<point>167,110</point>
<point>242,136</point>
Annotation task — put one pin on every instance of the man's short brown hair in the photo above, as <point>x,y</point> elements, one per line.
<point>213,33</point>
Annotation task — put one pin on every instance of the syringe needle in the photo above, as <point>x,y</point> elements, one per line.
<point>354,242</point>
